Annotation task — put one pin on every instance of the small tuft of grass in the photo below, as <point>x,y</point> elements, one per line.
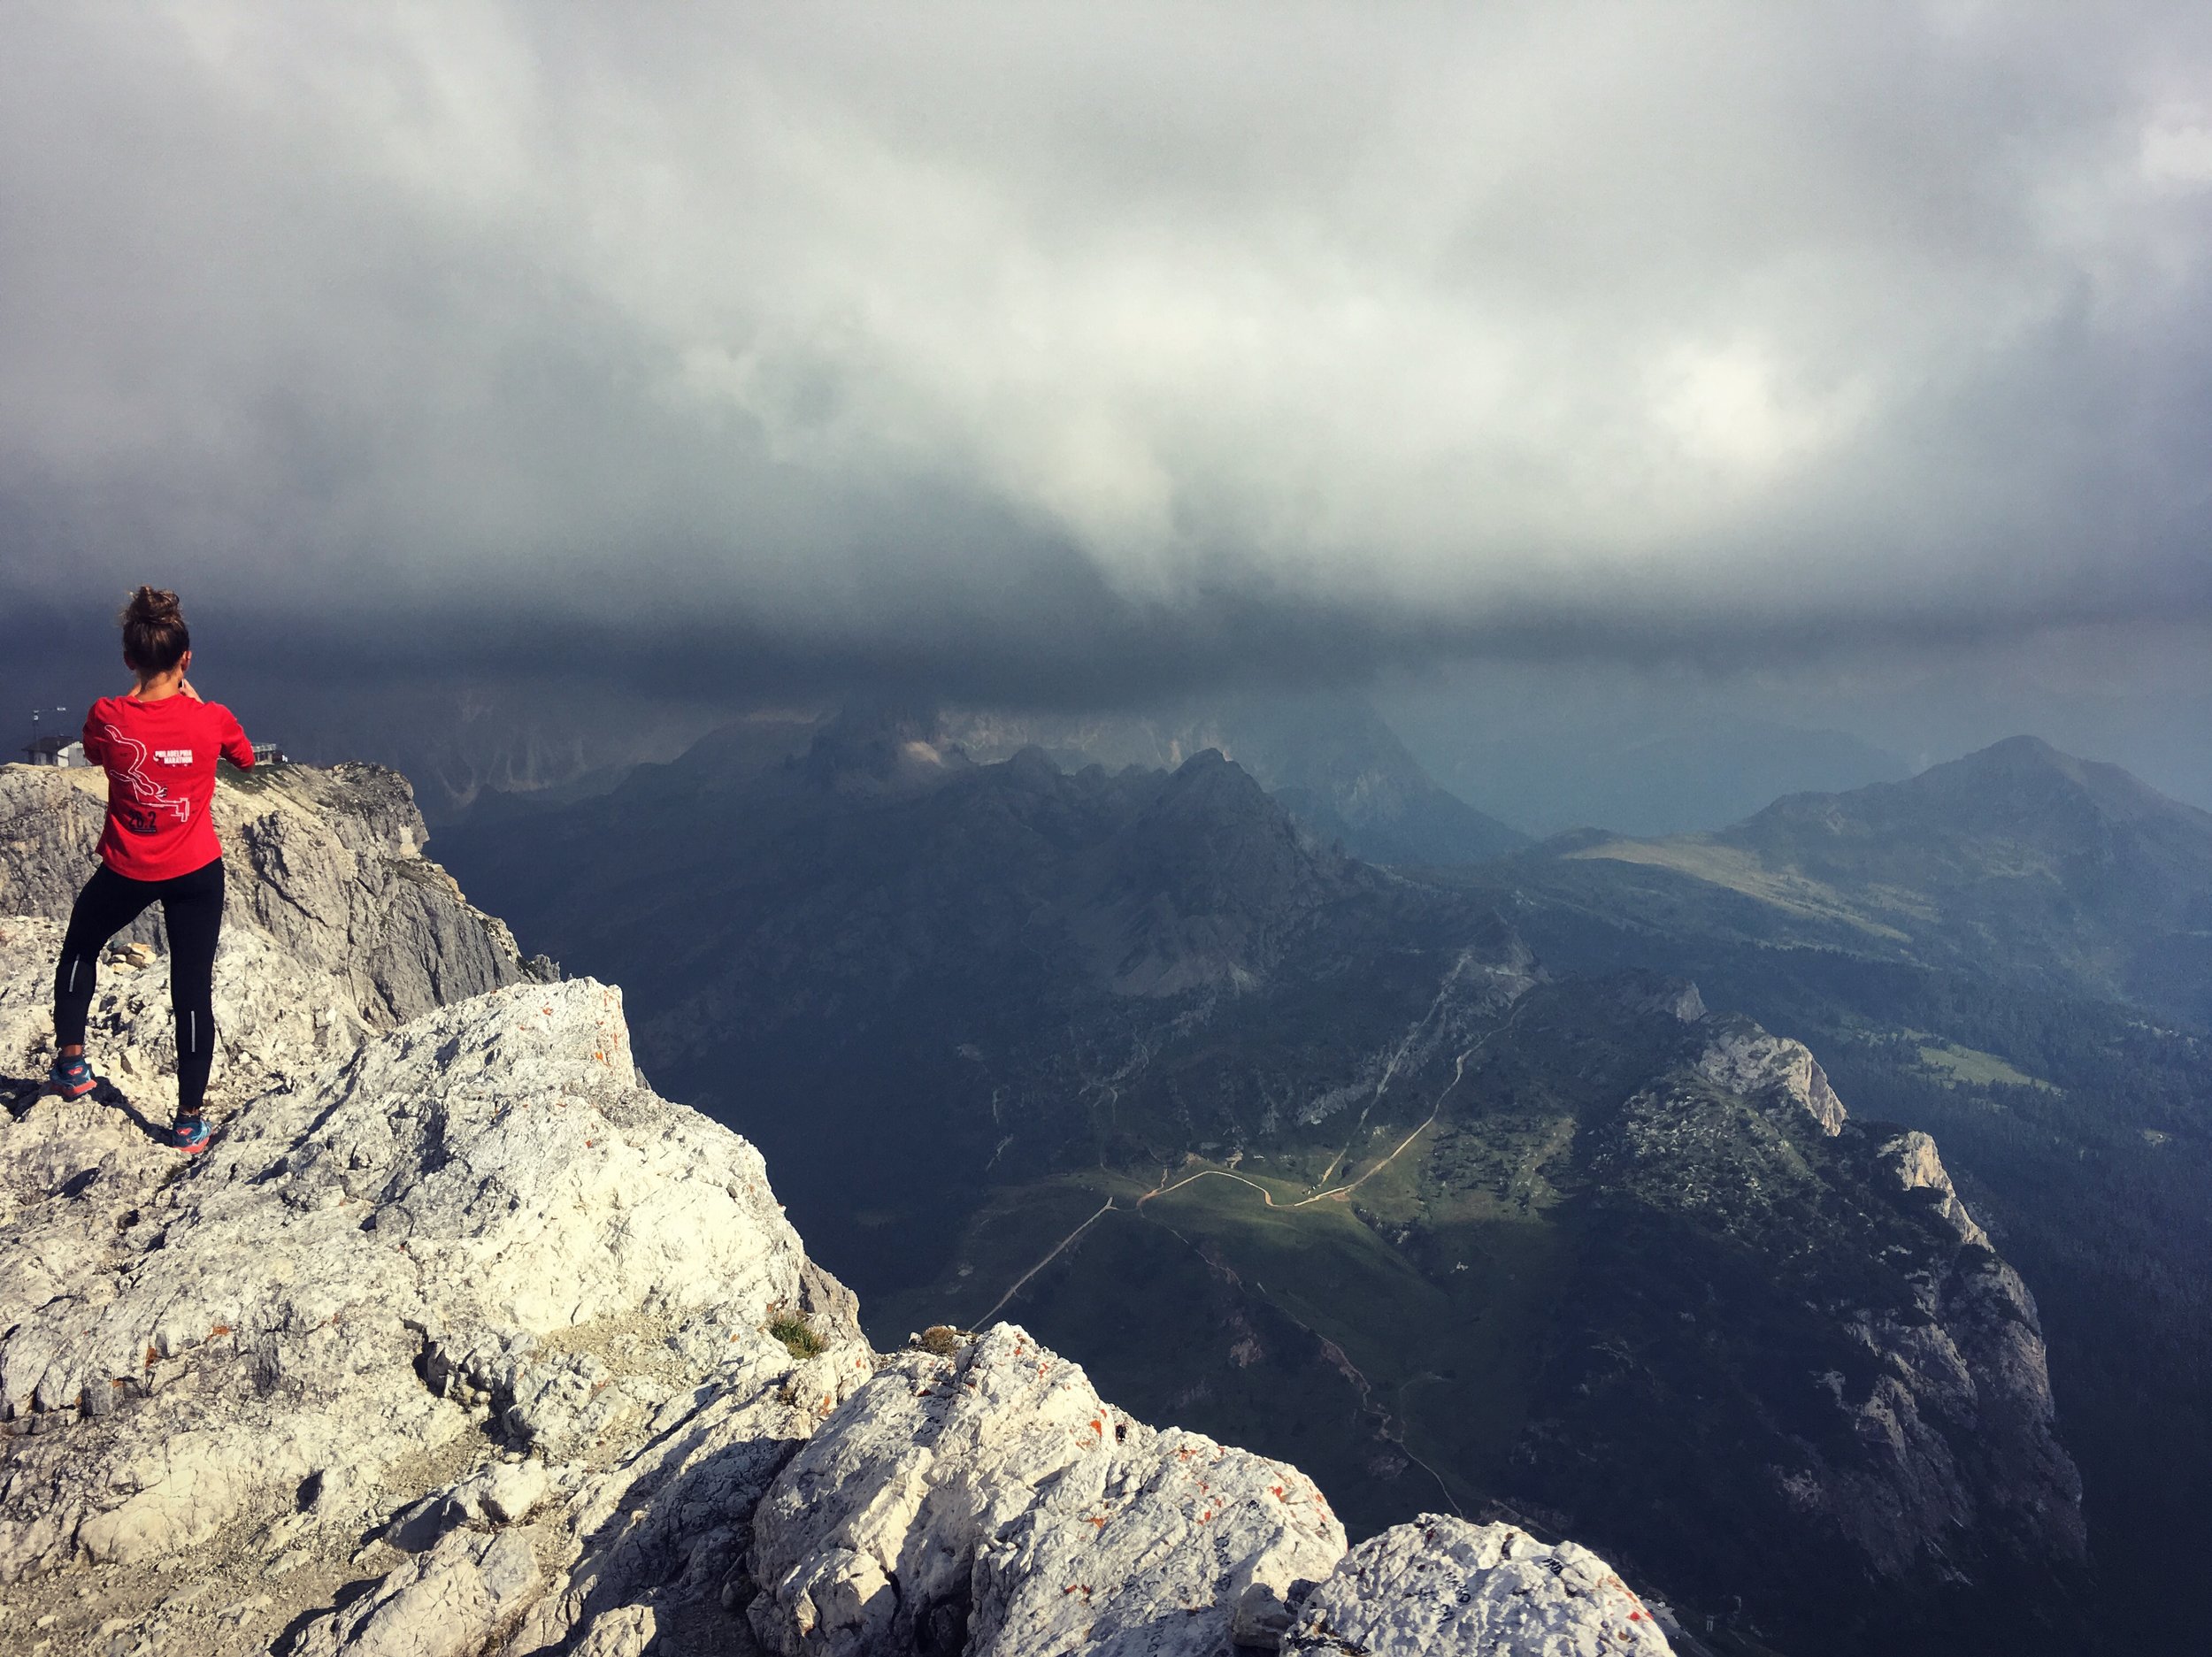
<point>797,1335</point>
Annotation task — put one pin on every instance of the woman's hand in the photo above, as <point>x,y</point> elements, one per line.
<point>185,686</point>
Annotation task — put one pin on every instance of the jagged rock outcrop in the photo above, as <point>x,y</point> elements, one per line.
<point>433,1234</point>
<point>1959,1410</point>
<point>1439,1587</point>
<point>991,1503</point>
<point>461,1340</point>
<point>1745,1059</point>
<point>326,863</point>
<point>477,1255</point>
<point>1918,1427</point>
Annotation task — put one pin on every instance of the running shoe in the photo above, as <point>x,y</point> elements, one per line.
<point>191,1134</point>
<point>72,1078</point>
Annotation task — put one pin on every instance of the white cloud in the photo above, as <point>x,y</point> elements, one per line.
<point>2176,150</point>
<point>1429,315</point>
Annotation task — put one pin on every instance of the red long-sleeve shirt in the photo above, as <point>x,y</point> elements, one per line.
<point>160,759</point>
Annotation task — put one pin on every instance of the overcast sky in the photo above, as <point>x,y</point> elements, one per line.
<point>1056,352</point>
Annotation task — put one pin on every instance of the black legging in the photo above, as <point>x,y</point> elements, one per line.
<point>193,907</point>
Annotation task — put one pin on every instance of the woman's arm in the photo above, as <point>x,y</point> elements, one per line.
<point>236,748</point>
<point>95,741</point>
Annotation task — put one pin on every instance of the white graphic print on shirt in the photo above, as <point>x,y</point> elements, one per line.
<point>151,798</point>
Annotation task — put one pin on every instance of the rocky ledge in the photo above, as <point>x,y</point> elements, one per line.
<point>461,1340</point>
<point>327,864</point>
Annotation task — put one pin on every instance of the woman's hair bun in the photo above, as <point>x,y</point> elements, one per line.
<point>155,637</point>
<point>152,604</point>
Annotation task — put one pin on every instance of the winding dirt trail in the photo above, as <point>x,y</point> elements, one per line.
<point>1459,1071</point>
<point>1395,1422</point>
<point>1058,1249</point>
<point>1390,1070</point>
<point>1336,1194</point>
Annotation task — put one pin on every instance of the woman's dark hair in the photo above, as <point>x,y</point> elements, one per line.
<point>155,637</point>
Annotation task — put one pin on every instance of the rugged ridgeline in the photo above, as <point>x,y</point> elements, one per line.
<point>1327,758</point>
<point>326,865</point>
<point>2012,952</point>
<point>461,1340</point>
<point>1316,1157</point>
<point>2016,864</point>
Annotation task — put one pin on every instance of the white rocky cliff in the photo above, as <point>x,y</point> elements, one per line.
<point>326,863</point>
<point>461,1340</point>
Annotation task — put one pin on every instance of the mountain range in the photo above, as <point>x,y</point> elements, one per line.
<point>1446,1182</point>
<point>2018,861</point>
<point>2008,951</point>
<point>1327,758</point>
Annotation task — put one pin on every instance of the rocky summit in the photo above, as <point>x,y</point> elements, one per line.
<point>462,1340</point>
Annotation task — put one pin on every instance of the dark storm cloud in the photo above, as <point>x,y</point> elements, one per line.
<point>1043,351</point>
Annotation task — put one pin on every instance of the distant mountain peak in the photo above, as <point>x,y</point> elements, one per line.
<point>2023,774</point>
<point>1212,777</point>
<point>2025,744</point>
<point>1328,758</point>
<point>2025,755</point>
<point>883,747</point>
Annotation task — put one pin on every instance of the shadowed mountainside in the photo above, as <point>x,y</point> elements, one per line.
<point>1310,1151</point>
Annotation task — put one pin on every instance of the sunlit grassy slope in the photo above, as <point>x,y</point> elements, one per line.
<point>1371,1298</point>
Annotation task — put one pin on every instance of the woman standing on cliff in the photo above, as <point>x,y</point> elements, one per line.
<point>159,744</point>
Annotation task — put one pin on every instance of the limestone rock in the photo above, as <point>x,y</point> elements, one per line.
<point>625,1631</point>
<point>1262,1619</point>
<point>1745,1059</point>
<point>324,863</point>
<point>492,1176</point>
<point>991,1503</point>
<point>1442,1586</point>
<point>666,1528</point>
<point>1960,1410</point>
<point>1912,1157</point>
<point>446,1604</point>
<point>501,1492</point>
